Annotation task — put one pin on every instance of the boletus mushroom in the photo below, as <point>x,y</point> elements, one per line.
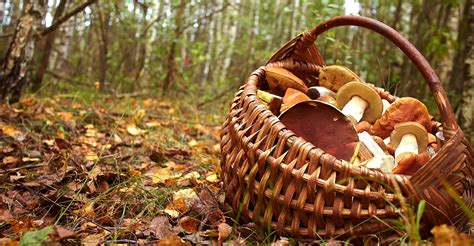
<point>410,139</point>
<point>404,109</point>
<point>324,126</point>
<point>380,160</point>
<point>360,102</point>
<point>334,77</point>
<point>292,97</point>
<point>314,92</point>
<point>280,79</point>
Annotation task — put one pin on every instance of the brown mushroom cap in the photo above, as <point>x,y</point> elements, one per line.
<point>293,97</point>
<point>404,109</point>
<point>406,164</point>
<point>410,128</point>
<point>280,79</point>
<point>324,126</point>
<point>346,92</point>
<point>334,77</point>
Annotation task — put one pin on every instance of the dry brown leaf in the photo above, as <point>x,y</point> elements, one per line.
<point>172,241</point>
<point>189,224</point>
<point>224,232</point>
<point>176,208</point>
<point>8,160</point>
<point>161,227</point>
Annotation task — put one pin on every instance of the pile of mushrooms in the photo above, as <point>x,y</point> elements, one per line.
<point>346,117</point>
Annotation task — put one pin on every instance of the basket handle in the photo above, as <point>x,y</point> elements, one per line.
<point>408,48</point>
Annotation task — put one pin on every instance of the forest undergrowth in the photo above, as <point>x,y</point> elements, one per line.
<point>117,170</point>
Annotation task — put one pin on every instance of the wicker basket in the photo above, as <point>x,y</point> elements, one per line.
<point>282,182</point>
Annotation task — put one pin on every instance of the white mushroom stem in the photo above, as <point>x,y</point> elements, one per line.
<point>385,104</point>
<point>381,160</point>
<point>371,145</point>
<point>355,108</point>
<point>408,144</point>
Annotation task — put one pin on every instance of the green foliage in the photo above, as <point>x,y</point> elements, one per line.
<point>37,237</point>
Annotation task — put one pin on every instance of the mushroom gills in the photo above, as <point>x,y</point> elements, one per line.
<point>355,108</point>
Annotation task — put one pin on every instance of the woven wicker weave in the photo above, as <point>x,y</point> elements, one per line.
<point>282,182</point>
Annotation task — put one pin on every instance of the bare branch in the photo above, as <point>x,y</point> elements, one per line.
<point>66,17</point>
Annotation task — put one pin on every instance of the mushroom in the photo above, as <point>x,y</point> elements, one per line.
<point>272,102</point>
<point>380,160</point>
<point>293,97</point>
<point>404,109</point>
<point>409,163</point>
<point>385,104</point>
<point>328,99</point>
<point>363,126</point>
<point>334,77</point>
<point>280,79</point>
<point>314,92</point>
<point>409,137</point>
<point>359,101</point>
<point>324,126</point>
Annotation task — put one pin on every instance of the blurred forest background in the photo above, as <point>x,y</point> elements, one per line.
<point>202,51</point>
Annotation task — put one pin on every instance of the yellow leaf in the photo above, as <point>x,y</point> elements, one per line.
<point>91,156</point>
<point>49,142</point>
<point>134,173</point>
<point>212,178</point>
<point>186,194</point>
<point>65,116</point>
<point>159,175</point>
<point>172,213</point>
<point>30,159</point>
<point>133,130</point>
<point>153,124</point>
<point>192,143</point>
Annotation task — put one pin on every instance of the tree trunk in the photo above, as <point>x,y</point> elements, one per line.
<point>103,50</point>
<point>462,74</point>
<point>17,60</point>
<point>44,51</point>
<point>171,65</point>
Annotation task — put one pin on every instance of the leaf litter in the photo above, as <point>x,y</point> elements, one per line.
<point>136,170</point>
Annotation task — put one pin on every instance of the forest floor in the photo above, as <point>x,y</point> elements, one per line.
<point>112,171</point>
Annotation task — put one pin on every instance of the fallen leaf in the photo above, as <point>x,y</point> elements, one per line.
<point>7,160</point>
<point>91,156</point>
<point>161,227</point>
<point>152,124</point>
<point>176,208</point>
<point>189,224</point>
<point>172,241</point>
<point>448,235</point>
<point>224,232</point>
<point>212,177</point>
<point>192,143</point>
<point>159,175</point>
<point>133,130</point>
<point>66,116</point>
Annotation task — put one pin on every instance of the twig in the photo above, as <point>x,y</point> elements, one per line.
<point>23,167</point>
<point>66,17</point>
